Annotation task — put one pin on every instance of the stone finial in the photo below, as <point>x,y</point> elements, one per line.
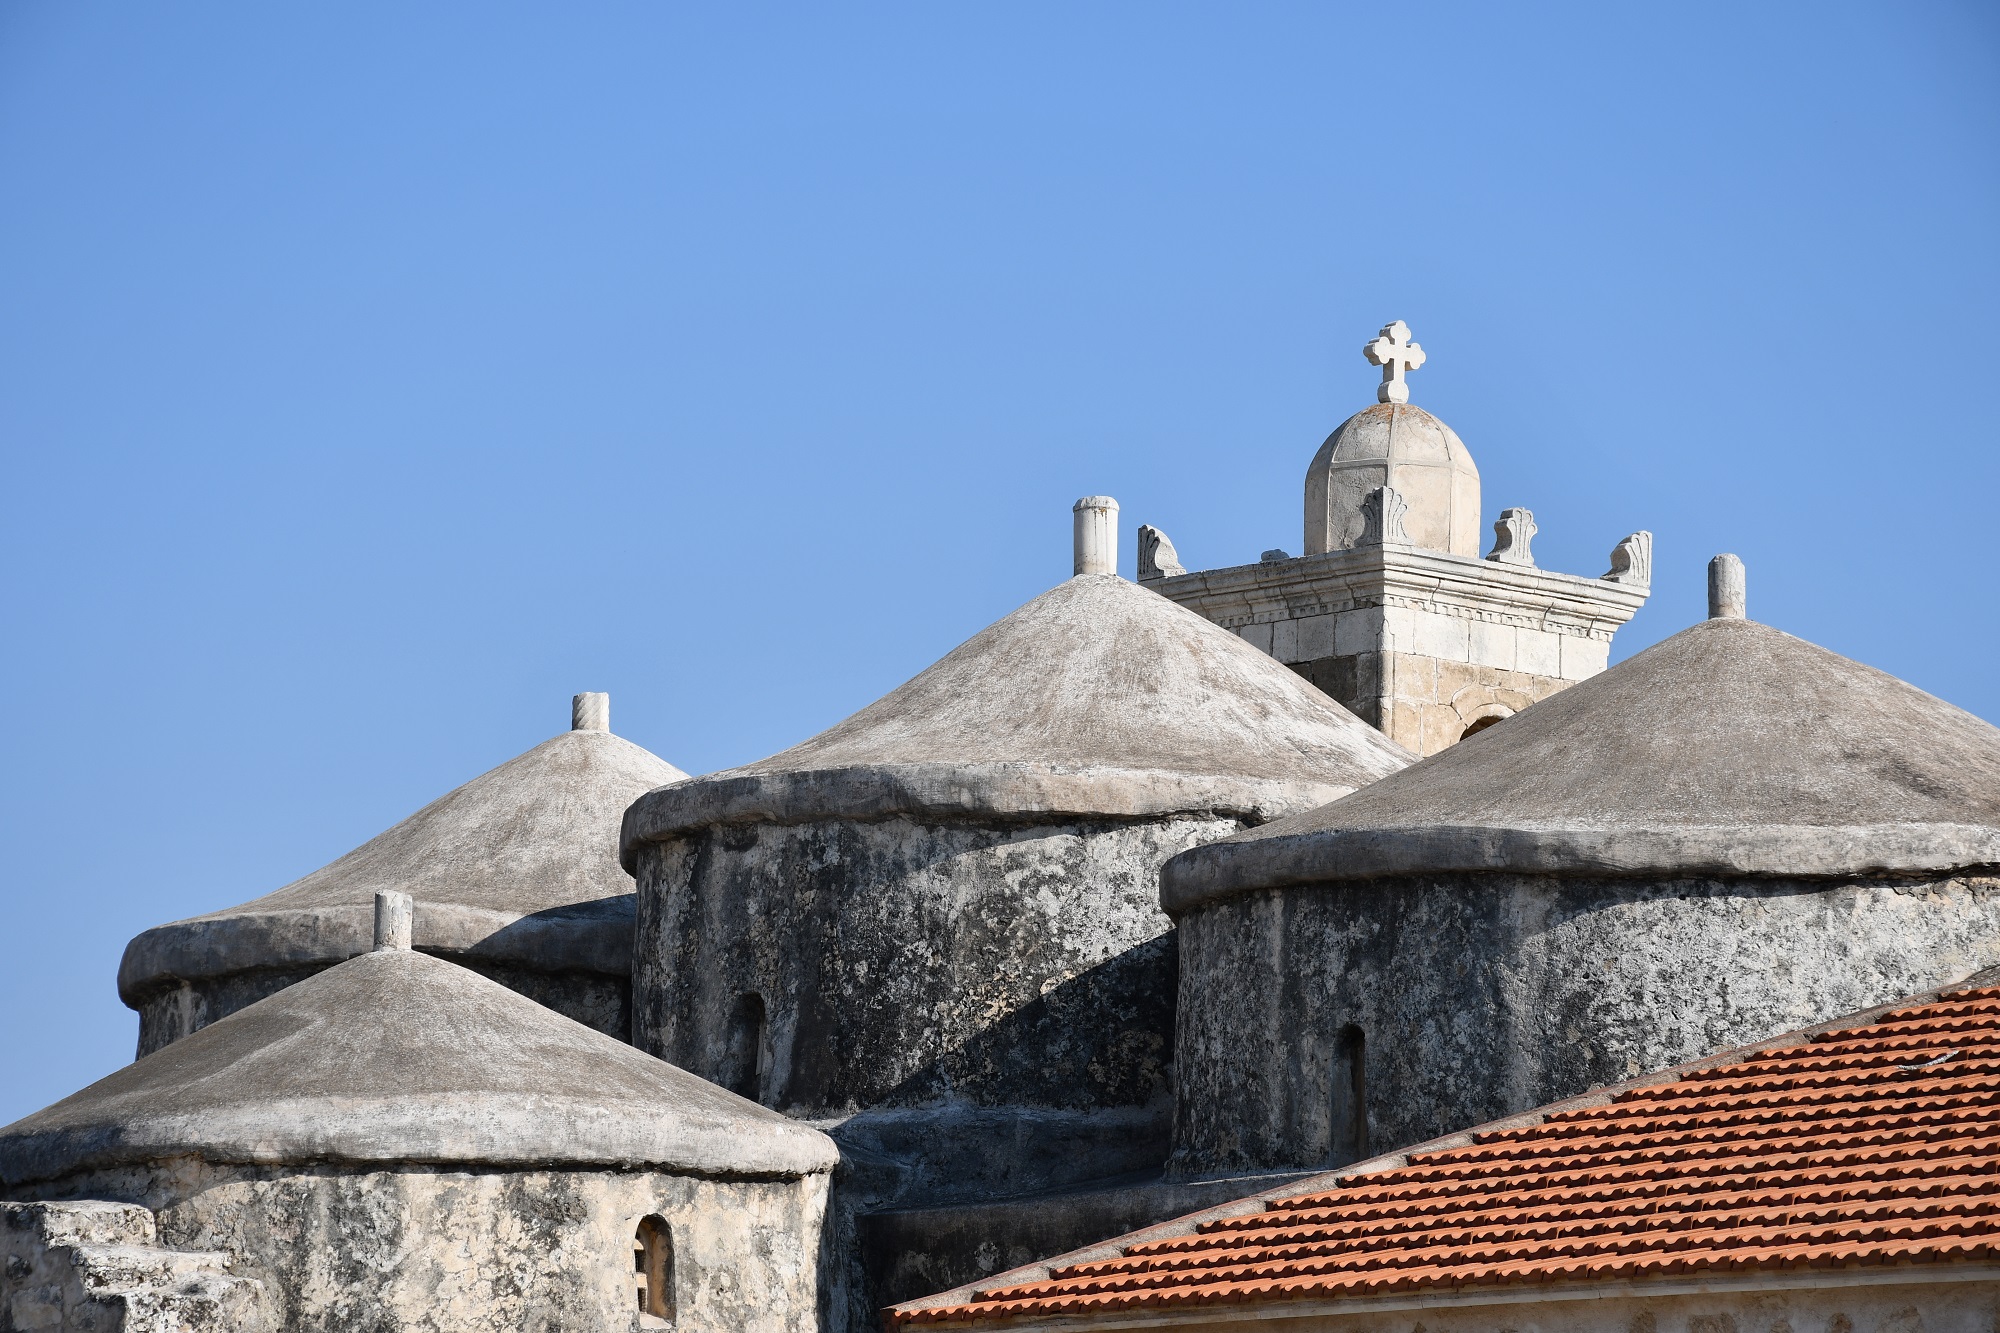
<point>1277,555</point>
<point>1157,557</point>
<point>1382,518</point>
<point>1392,350</point>
<point>1632,561</point>
<point>590,712</point>
<point>1096,534</point>
<point>1512,532</point>
<point>395,913</point>
<point>1726,593</point>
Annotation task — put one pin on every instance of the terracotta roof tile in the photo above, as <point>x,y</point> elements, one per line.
<point>1876,1143</point>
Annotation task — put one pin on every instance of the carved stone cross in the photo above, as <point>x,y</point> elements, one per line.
<point>1395,353</point>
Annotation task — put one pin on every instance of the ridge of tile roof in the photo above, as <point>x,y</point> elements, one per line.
<point>1872,1139</point>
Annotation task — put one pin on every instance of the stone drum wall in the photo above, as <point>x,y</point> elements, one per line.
<point>490,1251</point>
<point>1323,1024</point>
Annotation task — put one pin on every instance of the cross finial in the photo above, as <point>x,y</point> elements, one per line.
<point>1395,353</point>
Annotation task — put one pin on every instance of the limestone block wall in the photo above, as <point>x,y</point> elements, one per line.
<point>435,1251</point>
<point>1423,645</point>
<point>1322,1024</point>
<point>179,1007</point>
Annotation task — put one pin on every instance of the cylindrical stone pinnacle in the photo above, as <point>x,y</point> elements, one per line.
<point>1096,535</point>
<point>590,712</point>
<point>395,913</point>
<point>1726,597</point>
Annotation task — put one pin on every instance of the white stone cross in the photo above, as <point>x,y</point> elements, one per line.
<point>1395,353</point>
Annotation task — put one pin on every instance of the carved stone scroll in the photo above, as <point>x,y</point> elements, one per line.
<point>1512,532</point>
<point>1157,557</point>
<point>1632,561</point>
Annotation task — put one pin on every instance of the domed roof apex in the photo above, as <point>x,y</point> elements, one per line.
<point>1098,697</point>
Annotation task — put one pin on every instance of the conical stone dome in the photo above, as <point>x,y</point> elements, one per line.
<point>394,1059</point>
<point>1731,748</point>
<point>1731,834</point>
<point>1099,697</point>
<point>515,870</point>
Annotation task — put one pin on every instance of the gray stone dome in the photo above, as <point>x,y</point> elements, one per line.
<point>1098,698</point>
<point>517,868</point>
<point>1730,749</point>
<point>1404,447</point>
<point>397,1060</point>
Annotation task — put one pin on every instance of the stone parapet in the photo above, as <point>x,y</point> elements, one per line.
<point>1426,646</point>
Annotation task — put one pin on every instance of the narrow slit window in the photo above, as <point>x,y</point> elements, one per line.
<point>1350,1097</point>
<point>653,1265</point>
<point>746,1058</point>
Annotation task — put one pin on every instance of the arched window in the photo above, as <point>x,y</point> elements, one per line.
<point>745,1058</point>
<point>653,1263</point>
<point>1350,1097</point>
<point>1481,724</point>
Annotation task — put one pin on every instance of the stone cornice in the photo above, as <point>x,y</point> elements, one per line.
<point>1405,576</point>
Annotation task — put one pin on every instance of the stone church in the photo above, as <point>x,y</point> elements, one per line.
<point>1223,894</point>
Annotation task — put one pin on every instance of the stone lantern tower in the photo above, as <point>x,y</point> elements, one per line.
<point>1390,609</point>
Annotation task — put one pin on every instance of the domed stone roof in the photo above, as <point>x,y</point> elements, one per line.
<point>1408,449</point>
<point>398,1059</point>
<point>1729,749</point>
<point>1097,698</point>
<point>519,864</point>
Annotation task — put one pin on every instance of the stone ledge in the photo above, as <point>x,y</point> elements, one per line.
<point>947,791</point>
<point>591,937</point>
<point>1364,577</point>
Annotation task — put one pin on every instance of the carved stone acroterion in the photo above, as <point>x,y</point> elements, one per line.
<point>1157,557</point>
<point>1512,532</point>
<point>1632,561</point>
<point>1382,518</point>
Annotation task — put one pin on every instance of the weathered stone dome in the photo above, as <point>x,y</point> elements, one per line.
<point>516,871</point>
<point>399,1060</point>
<point>1732,834</point>
<point>1097,698</point>
<point>1408,449</point>
<point>1731,748</point>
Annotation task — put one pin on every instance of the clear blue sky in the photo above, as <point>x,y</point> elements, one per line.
<point>373,377</point>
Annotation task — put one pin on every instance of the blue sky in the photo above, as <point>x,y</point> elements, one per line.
<point>373,377</point>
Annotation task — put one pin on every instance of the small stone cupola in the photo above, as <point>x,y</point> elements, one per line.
<point>1392,610</point>
<point>1401,447</point>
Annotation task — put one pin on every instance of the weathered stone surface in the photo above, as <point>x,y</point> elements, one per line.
<point>591,998</point>
<point>1729,749</point>
<point>1484,995</point>
<point>93,1266</point>
<point>442,1251</point>
<point>395,1058</point>
<point>913,1252</point>
<point>516,869</point>
<point>910,963</point>
<point>1098,698</point>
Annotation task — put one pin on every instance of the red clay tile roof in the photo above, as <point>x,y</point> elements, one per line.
<point>1870,1143</point>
